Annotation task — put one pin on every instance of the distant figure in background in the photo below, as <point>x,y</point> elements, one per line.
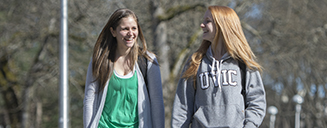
<point>220,86</point>
<point>117,92</point>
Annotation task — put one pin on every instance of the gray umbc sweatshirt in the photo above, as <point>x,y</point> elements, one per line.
<point>217,100</point>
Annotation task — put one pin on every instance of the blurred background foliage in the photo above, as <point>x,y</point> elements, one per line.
<point>287,36</point>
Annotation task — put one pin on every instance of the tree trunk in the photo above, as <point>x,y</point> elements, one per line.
<point>38,114</point>
<point>161,47</point>
<point>160,42</point>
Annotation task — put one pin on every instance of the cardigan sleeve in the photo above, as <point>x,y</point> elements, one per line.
<point>89,97</point>
<point>155,94</point>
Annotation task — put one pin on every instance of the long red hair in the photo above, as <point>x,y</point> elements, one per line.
<point>229,25</point>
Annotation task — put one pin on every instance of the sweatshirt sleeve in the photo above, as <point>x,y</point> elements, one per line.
<point>88,97</point>
<point>182,112</point>
<point>155,94</point>
<point>255,100</point>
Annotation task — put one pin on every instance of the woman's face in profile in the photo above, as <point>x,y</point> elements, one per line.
<point>208,27</point>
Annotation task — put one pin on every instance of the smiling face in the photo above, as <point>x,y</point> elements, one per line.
<point>208,27</point>
<point>126,33</point>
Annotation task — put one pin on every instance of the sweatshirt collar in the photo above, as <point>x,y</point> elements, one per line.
<point>211,58</point>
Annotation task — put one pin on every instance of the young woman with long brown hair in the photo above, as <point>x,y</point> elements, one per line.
<point>116,92</point>
<point>221,85</point>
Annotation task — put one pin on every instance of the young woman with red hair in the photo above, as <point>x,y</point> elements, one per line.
<point>221,85</point>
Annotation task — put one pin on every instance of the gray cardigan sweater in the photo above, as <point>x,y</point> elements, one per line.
<point>217,100</point>
<point>150,99</point>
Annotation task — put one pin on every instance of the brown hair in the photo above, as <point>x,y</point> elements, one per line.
<point>106,45</point>
<point>229,25</point>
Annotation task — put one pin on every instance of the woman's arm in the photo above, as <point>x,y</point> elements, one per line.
<point>255,100</point>
<point>155,94</point>
<point>89,97</point>
<point>182,112</point>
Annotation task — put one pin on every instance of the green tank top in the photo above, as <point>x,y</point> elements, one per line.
<point>120,109</point>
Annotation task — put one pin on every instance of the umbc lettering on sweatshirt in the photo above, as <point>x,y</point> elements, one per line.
<point>225,76</point>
